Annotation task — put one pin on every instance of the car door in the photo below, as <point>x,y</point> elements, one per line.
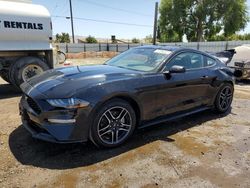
<point>182,91</point>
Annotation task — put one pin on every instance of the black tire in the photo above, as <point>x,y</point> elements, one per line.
<point>115,126</point>
<point>12,77</point>
<point>16,70</point>
<point>224,98</point>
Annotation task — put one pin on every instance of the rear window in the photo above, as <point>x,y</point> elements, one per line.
<point>210,62</point>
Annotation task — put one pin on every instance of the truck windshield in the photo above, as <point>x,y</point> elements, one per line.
<point>140,59</point>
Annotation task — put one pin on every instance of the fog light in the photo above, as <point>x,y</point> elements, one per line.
<point>62,121</point>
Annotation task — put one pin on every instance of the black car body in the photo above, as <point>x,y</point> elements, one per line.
<point>153,96</point>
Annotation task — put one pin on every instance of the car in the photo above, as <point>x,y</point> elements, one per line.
<point>141,87</point>
<point>238,59</point>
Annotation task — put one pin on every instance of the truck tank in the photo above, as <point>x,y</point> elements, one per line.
<point>24,26</point>
<point>25,41</point>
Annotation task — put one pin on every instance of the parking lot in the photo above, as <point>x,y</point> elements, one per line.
<point>202,150</point>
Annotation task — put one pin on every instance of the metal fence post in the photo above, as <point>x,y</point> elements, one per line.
<point>117,48</point>
<point>128,46</point>
<point>67,48</point>
<point>198,45</point>
<point>84,46</point>
<point>100,48</point>
<point>226,45</point>
<point>108,47</point>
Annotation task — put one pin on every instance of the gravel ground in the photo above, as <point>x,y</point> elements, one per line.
<point>202,150</point>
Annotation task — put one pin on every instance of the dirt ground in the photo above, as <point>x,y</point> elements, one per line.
<point>202,150</point>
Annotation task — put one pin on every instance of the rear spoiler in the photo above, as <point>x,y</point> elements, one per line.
<point>225,56</point>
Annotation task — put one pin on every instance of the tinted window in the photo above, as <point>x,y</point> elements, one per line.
<point>188,60</point>
<point>210,62</point>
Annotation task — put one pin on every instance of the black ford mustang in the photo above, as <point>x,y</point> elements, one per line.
<point>138,88</point>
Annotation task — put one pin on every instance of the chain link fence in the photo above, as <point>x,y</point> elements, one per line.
<point>203,46</point>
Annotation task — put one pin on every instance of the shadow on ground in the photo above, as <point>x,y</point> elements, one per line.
<point>8,91</point>
<point>54,156</point>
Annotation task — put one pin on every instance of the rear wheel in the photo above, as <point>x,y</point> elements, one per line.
<point>114,124</point>
<point>25,68</point>
<point>224,98</point>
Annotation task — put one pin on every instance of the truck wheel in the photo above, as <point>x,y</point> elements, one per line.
<point>25,68</point>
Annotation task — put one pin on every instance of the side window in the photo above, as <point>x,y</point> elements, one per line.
<point>189,60</point>
<point>210,62</point>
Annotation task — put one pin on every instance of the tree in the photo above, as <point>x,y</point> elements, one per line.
<point>230,38</point>
<point>62,38</point>
<point>135,40</point>
<point>91,39</point>
<point>201,19</point>
<point>148,39</point>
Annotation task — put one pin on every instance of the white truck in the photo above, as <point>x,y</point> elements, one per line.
<point>25,41</point>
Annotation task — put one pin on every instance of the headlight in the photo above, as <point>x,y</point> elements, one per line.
<point>68,103</point>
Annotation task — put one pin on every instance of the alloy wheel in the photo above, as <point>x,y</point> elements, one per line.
<point>114,125</point>
<point>226,97</point>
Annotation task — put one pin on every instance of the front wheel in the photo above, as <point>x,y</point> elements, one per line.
<point>224,98</point>
<point>114,124</point>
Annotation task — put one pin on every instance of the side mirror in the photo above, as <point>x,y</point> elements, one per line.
<point>174,69</point>
<point>177,69</point>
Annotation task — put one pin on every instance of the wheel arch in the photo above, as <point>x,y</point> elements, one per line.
<point>133,104</point>
<point>229,82</point>
<point>127,98</point>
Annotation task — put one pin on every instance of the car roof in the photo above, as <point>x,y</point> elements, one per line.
<point>163,47</point>
<point>174,49</point>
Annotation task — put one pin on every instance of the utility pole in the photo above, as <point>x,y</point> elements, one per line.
<point>72,21</point>
<point>155,23</point>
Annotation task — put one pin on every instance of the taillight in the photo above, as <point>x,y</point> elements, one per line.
<point>51,26</point>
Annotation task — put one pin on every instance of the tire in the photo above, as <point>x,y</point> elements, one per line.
<point>224,98</point>
<point>114,118</point>
<point>25,68</point>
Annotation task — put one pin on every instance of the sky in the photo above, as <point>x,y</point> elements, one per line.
<point>138,12</point>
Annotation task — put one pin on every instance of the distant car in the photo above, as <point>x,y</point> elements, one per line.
<point>138,88</point>
<point>238,59</point>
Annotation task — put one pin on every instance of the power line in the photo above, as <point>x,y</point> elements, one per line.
<point>105,21</point>
<point>117,9</point>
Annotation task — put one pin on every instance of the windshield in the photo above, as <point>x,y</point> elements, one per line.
<point>140,59</point>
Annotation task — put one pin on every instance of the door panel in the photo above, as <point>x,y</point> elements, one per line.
<point>181,92</point>
<point>184,90</point>
<point>161,96</point>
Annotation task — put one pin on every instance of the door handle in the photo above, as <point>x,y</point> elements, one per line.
<point>204,77</point>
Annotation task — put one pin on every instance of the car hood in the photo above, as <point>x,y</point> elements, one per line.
<point>65,82</point>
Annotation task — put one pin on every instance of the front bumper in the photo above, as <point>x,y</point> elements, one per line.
<point>40,128</point>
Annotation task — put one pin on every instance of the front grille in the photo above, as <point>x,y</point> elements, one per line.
<point>33,105</point>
